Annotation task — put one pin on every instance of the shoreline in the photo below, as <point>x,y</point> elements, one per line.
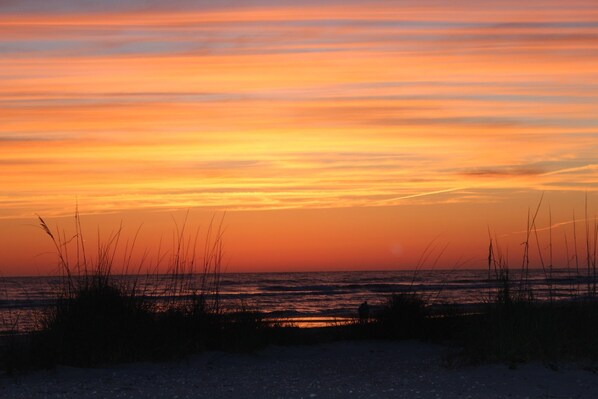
<point>315,294</point>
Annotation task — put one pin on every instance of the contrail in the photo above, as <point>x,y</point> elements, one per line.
<point>575,169</point>
<point>553,226</point>
<point>448,190</point>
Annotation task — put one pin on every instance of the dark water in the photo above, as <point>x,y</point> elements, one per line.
<point>297,295</point>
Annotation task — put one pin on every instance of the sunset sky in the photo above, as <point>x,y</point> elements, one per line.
<point>336,135</point>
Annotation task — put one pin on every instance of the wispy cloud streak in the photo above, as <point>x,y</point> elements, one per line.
<point>130,104</point>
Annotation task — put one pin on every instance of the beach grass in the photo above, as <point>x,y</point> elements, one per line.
<point>101,318</point>
<point>404,316</point>
<point>516,326</point>
<point>526,331</point>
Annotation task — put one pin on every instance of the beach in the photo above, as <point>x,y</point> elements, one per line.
<point>357,369</point>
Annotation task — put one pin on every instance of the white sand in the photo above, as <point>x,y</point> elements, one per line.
<point>338,370</point>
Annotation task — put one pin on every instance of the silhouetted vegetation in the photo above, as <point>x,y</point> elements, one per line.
<point>515,326</point>
<point>404,316</point>
<point>100,318</point>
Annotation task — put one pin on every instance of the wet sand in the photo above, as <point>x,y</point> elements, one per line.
<point>364,369</point>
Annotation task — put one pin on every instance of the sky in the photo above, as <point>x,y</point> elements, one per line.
<point>336,135</point>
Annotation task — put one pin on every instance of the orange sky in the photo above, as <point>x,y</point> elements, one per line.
<point>336,135</point>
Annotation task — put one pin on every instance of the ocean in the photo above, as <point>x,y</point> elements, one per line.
<point>316,297</point>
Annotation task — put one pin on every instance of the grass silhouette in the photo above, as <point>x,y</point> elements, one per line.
<point>100,317</point>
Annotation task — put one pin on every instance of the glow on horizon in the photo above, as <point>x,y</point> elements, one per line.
<point>286,107</point>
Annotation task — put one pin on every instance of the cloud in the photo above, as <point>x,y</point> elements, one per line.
<point>114,6</point>
<point>507,171</point>
<point>251,105</point>
<point>27,139</point>
<point>25,162</point>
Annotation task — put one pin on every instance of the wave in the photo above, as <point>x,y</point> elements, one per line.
<point>308,294</point>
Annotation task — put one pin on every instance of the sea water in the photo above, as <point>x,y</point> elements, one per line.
<point>311,296</point>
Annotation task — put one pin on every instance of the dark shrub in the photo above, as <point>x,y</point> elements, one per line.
<point>403,316</point>
<point>97,323</point>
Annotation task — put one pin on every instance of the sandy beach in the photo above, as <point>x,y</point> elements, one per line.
<point>365,369</point>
